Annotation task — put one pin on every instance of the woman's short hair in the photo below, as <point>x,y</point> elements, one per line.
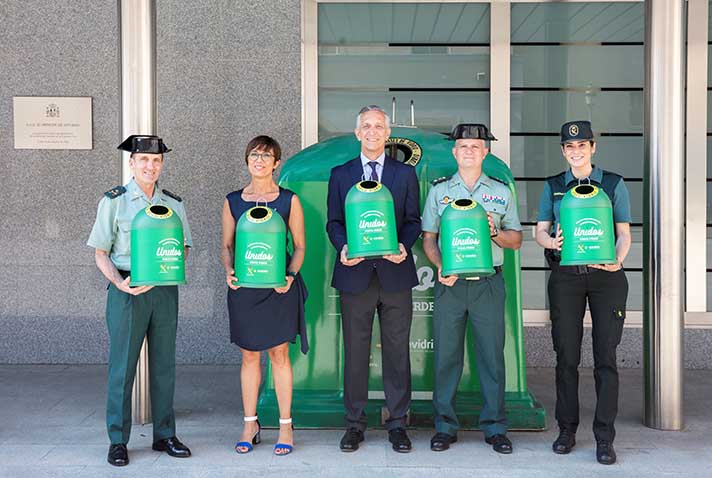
<point>264,143</point>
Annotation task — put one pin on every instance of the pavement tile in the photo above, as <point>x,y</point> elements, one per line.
<point>131,471</point>
<point>70,435</point>
<point>217,453</point>
<point>26,455</point>
<point>329,456</point>
<point>23,471</point>
<point>90,455</point>
<point>51,405</point>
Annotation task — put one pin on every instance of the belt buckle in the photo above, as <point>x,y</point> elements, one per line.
<point>473,278</point>
<point>580,270</point>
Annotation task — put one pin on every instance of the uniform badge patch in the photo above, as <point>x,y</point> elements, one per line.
<point>493,198</point>
<point>446,200</point>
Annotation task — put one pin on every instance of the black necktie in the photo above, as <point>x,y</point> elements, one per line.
<point>374,174</point>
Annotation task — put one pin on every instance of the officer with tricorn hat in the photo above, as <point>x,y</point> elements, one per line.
<point>481,299</point>
<point>133,313</point>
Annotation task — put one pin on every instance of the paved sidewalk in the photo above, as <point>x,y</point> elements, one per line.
<point>52,425</point>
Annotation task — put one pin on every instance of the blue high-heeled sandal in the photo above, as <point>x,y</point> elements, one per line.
<point>255,438</point>
<point>283,446</point>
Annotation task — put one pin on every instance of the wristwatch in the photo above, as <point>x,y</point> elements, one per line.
<point>292,274</point>
<point>496,232</point>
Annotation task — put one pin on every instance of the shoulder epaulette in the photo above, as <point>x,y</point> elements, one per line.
<point>499,181</point>
<point>562,174</point>
<point>611,173</point>
<point>440,180</point>
<point>115,192</point>
<point>173,195</point>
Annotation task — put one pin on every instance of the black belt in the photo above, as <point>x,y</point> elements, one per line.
<point>577,270</point>
<point>497,270</point>
<point>124,274</point>
<point>554,257</point>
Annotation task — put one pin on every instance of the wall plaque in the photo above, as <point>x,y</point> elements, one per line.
<point>45,122</point>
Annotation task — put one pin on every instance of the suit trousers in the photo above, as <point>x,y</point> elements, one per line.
<point>395,314</point>
<point>129,318</point>
<point>606,293</point>
<point>482,301</point>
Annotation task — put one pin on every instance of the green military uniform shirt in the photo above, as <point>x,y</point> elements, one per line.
<point>493,195</point>
<point>112,229</point>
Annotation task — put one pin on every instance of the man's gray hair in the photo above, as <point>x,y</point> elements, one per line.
<point>368,108</point>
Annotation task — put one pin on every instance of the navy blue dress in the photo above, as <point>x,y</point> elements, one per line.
<point>262,318</point>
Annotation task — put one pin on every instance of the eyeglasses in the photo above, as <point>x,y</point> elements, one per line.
<point>253,156</point>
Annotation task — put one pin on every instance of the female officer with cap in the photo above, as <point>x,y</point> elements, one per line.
<point>133,313</point>
<point>605,287</point>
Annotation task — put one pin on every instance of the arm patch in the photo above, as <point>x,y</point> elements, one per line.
<point>115,192</point>
<point>173,195</point>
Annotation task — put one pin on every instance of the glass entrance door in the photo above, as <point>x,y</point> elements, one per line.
<point>568,61</point>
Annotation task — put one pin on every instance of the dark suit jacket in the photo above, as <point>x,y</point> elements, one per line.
<point>401,180</point>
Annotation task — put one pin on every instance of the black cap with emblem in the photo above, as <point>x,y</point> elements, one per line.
<point>471,131</point>
<point>142,143</point>
<point>576,131</point>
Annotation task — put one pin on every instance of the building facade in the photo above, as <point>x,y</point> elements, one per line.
<point>228,70</point>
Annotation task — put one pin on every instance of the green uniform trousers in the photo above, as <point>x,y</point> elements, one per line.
<point>154,315</point>
<point>483,302</point>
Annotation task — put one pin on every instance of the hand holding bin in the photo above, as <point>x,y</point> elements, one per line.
<point>370,221</point>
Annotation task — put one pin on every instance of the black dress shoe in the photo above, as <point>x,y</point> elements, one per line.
<point>399,439</point>
<point>442,441</point>
<point>173,447</point>
<point>118,455</point>
<point>564,443</point>
<point>605,454</point>
<point>500,443</point>
<point>351,439</point>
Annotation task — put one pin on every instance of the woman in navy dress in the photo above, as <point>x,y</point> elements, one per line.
<point>265,319</point>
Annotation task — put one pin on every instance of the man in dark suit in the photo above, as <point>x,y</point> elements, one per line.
<point>383,284</point>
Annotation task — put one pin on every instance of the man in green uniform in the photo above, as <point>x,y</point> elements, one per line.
<point>481,299</point>
<point>133,313</point>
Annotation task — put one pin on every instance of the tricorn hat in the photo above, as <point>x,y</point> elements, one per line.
<point>143,143</point>
<point>471,131</point>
